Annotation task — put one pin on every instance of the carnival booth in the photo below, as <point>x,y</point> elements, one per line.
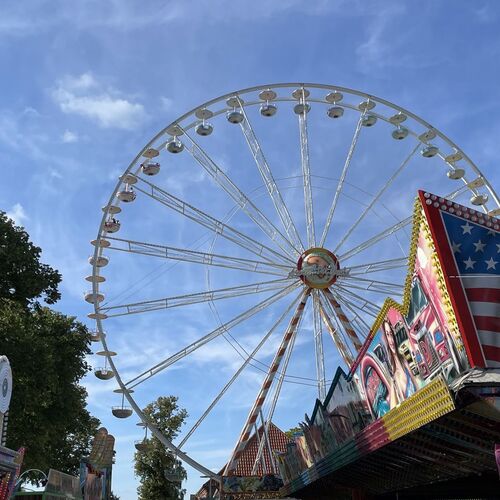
<point>10,460</point>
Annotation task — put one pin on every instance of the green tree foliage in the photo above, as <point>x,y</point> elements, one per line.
<point>152,463</point>
<point>47,352</point>
<point>23,277</point>
<point>290,432</point>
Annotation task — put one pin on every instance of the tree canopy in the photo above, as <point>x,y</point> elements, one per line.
<point>23,277</point>
<point>155,462</point>
<point>290,432</point>
<point>47,352</point>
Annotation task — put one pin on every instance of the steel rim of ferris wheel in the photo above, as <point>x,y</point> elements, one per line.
<point>321,278</point>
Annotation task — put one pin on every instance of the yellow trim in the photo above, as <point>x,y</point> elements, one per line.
<point>429,403</point>
<point>420,224</point>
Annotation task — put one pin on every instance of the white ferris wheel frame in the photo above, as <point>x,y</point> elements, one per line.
<point>279,267</point>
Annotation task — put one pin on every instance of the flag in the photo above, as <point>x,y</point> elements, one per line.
<point>468,246</point>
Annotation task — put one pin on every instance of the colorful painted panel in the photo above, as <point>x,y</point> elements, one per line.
<point>468,246</point>
<point>412,345</point>
<point>449,321</point>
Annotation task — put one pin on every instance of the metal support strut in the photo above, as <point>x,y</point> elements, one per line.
<point>353,337</point>
<point>261,397</point>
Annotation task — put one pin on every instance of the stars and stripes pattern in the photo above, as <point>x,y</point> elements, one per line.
<point>476,253</point>
<point>467,244</point>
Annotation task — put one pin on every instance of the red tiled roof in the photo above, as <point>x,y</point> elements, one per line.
<point>277,441</point>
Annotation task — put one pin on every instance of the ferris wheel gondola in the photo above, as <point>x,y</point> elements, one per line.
<point>329,235</point>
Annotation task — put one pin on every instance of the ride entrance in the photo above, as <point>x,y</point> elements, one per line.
<point>270,236</point>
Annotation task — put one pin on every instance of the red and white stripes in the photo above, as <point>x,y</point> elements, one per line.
<point>343,349</point>
<point>261,397</point>
<point>343,319</point>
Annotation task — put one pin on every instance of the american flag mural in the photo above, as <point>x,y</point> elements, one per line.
<point>468,246</point>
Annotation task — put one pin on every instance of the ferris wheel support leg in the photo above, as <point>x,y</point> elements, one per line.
<point>248,359</point>
<point>261,397</point>
<point>265,430</point>
<point>277,391</point>
<point>343,319</point>
<point>357,322</point>
<point>342,348</point>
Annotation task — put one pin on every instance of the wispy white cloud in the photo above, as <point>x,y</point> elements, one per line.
<point>83,95</point>
<point>69,137</point>
<point>378,45</point>
<point>131,16</point>
<point>17,214</point>
<point>485,13</point>
<point>166,103</point>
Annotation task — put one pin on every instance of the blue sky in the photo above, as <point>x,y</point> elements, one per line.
<point>86,84</point>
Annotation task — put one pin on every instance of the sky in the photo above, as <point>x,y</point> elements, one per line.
<point>87,84</point>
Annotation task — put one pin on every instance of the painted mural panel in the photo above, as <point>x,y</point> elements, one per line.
<point>408,351</point>
<point>421,343</point>
<point>347,409</point>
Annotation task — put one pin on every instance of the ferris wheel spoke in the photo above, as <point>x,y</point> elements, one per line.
<point>238,196</point>
<point>306,173</point>
<point>318,346</point>
<point>270,183</point>
<point>357,321</point>
<point>342,347</point>
<point>375,267</point>
<point>157,368</point>
<point>246,362</point>
<point>375,239</point>
<point>197,257</point>
<point>392,229</point>
<point>210,222</point>
<point>382,190</point>
<point>193,298</point>
<point>340,184</point>
<point>341,331</point>
<point>362,303</point>
<point>371,285</point>
<point>336,308</point>
<point>259,401</point>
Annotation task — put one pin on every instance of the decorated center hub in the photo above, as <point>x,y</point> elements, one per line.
<point>318,267</point>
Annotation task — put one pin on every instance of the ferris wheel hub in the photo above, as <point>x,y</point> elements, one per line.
<point>318,267</point>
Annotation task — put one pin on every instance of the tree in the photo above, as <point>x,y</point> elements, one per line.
<point>154,462</point>
<point>23,277</point>
<point>290,432</point>
<point>47,352</point>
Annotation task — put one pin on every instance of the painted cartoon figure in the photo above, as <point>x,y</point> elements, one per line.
<point>376,384</point>
<point>401,377</point>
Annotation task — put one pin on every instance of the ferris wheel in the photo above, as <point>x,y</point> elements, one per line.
<point>250,244</point>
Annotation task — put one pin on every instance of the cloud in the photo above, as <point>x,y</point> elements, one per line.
<point>69,137</point>
<point>83,82</point>
<point>17,214</point>
<point>380,49</point>
<point>84,96</point>
<point>166,103</point>
<point>376,49</point>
